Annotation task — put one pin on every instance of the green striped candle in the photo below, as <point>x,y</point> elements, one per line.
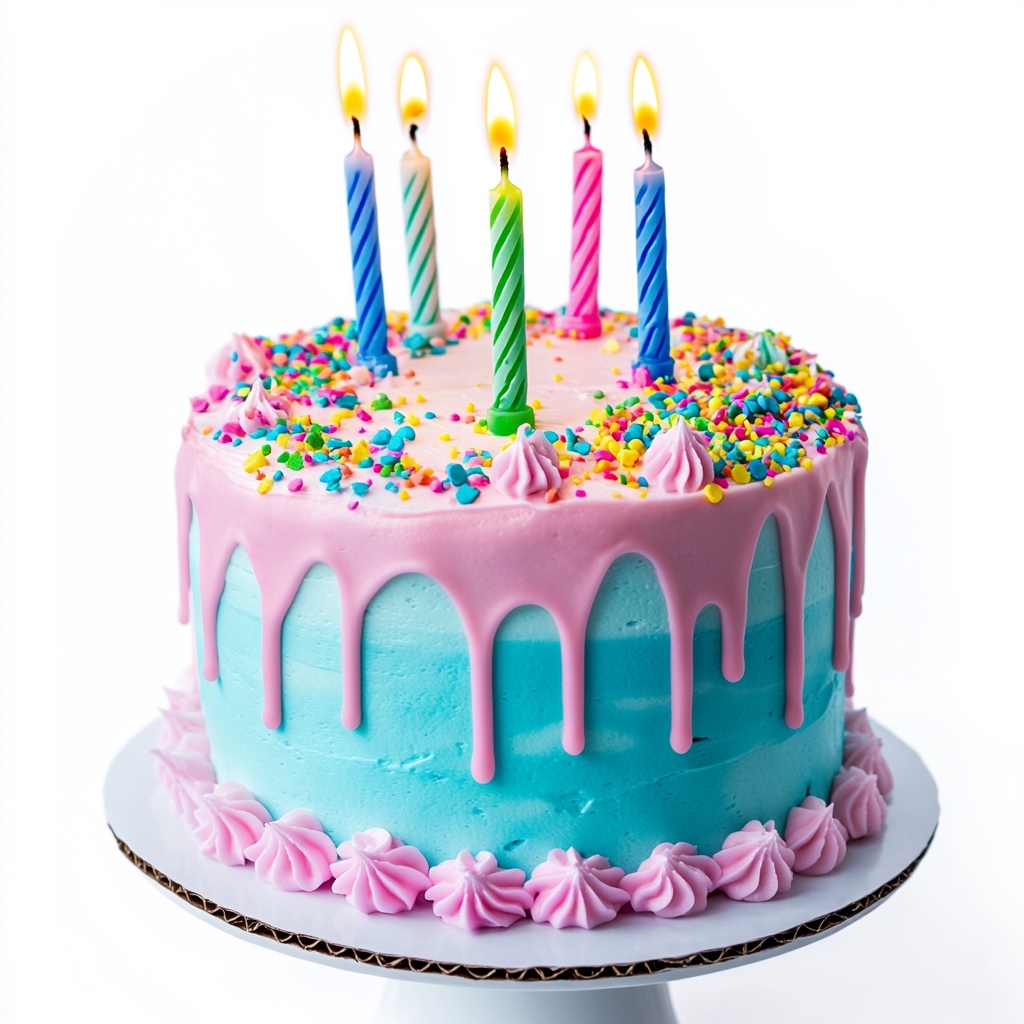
<point>420,247</point>
<point>508,312</point>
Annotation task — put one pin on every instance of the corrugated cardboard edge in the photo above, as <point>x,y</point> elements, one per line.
<point>474,972</point>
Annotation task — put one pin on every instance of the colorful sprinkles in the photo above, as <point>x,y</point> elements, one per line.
<point>762,406</point>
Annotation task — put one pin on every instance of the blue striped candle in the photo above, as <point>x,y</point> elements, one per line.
<point>654,359</point>
<point>371,321</point>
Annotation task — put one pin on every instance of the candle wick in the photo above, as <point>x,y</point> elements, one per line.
<point>648,148</point>
<point>355,127</point>
<point>586,128</point>
<point>413,129</point>
<point>503,161</point>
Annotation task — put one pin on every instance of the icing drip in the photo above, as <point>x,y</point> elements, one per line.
<point>572,891</point>
<point>865,752</point>
<point>528,466</point>
<point>677,461</point>
<point>859,806</point>
<point>184,731</point>
<point>673,882</point>
<point>476,893</point>
<point>294,853</point>
<point>186,776</point>
<point>256,412</point>
<point>477,559</point>
<point>817,839</point>
<point>227,821</point>
<point>756,863</point>
<point>377,874</point>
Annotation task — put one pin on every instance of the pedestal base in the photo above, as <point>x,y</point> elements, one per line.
<point>584,326</point>
<point>505,422</point>
<point>436,329</point>
<point>381,365</point>
<point>405,1003</point>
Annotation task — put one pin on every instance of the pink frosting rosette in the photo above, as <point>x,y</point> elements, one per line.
<point>183,700</point>
<point>817,839</point>
<point>528,466</point>
<point>571,891</point>
<point>236,361</point>
<point>673,882</point>
<point>294,853</point>
<point>229,820</point>
<point>256,412</point>
<point>186,775</point>
<point>377,874</point>
<point>474,893</point>
<point>756,863</point>
<point>865,752</point>
<point>858,803</point>
<point>677,461</point>
<point>184,730</point>
<point>856,720</point>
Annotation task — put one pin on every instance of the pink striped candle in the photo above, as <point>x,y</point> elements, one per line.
<point>581,312</point>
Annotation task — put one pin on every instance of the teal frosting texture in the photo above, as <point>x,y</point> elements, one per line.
<point>407,767</point>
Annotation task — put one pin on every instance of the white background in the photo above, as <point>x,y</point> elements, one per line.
<point>849,173</point>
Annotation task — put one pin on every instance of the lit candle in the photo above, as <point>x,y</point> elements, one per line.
<point>371,322</point>
<point>581,312</point>
<point>508,313</point>
<point>418,209</point>
<point>654,359</point>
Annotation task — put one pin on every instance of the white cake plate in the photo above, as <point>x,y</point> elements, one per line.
<point>529,972</point>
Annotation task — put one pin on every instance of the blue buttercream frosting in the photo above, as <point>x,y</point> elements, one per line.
<point>407,767</point>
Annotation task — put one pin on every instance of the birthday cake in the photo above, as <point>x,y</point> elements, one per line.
<point>602,663</point>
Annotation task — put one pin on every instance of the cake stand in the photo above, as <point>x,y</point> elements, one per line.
<point>529,972</point>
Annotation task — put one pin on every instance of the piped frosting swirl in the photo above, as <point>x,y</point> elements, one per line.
<point>864,751</point>
<point>817,839</point>
<point>528,466</point>
<point>229,820</point>
<point>256,412</point>
<point>186,775</point>
<point>378,874</point>
<point>572,891</point>
<point>756,863</point>
<point>294,853</point>
<point>858,803</point>
<point>473,892</point>
<point>677,461</point>
<point>673,882</point>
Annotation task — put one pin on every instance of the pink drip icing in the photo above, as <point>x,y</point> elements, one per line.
<point>475,555</point>
<point>673,882</point>
<point>377,874</point>
<point>865,752</point>
<point>571,891</point>
<point>817,839</point>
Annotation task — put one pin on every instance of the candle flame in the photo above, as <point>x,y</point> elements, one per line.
<point>501,115</point>
<point>412,90</point>
<point>645,98</point>
<point>585,89</point>
<point>351,82</point>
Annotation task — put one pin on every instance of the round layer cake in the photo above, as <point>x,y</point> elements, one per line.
<point>394,631</point>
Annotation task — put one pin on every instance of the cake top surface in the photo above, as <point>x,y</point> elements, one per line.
<point>296,417</point>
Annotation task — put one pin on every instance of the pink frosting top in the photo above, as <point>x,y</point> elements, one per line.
<point>858,803</point>
<point>572,891</point>
<point>256,412</point>
<point>227,821</point>
<point>184,730</point>
<point>528,466</point>
<point>817,840</point>
<point>857,721</point>
<point>677,462</point>
<point>476,893</point>
<point>186,775</point>
<point>377,874</point>
<point>865,752</point>
<point>756,863</point>
<point>294,853</point>
<point>673,882</point>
